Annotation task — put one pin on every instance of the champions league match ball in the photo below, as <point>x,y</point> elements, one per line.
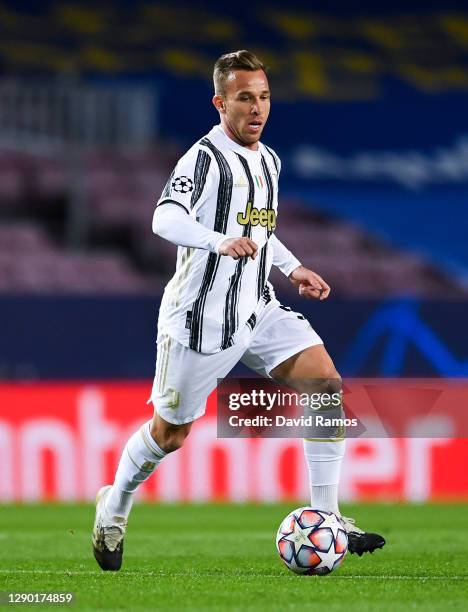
<point>311,542</point>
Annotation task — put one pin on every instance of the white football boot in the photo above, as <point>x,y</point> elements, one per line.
<point>108,534</point>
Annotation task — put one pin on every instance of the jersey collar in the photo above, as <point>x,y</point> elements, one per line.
<point>231,144</point>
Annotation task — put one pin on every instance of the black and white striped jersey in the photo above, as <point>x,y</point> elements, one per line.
<point>234,191</point>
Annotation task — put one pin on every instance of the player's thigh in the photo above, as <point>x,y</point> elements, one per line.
<point>280,334</point>
<point>308,370</point>
<point>184,379</point>
<point>312,362</point>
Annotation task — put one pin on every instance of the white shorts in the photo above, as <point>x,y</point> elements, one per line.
<point>184,378</point>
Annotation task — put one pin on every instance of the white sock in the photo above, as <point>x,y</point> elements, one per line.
<point>139,459</point>
<point>324,462</point>
<point>119,503</point>
<point>325,497</point>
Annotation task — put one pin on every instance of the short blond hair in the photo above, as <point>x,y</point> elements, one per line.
<point>238,60</point>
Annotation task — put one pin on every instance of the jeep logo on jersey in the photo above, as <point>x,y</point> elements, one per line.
<point>266,217</point>
<point>182,184</point>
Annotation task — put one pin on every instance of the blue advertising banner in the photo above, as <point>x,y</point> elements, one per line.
<point>72,338</point>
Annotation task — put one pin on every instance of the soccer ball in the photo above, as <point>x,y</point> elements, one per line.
<point>311,541</point>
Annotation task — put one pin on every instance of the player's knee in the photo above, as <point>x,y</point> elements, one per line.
<point>327,371</point>
<point>327,381</point>
<point>326,394</point>
<point>170,439</point>
<point>172,443</point>
<point>332,382</point>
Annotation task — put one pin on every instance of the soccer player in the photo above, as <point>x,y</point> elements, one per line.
<point>219,206</point>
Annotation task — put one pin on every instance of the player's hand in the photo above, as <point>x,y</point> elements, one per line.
<point>238,247</point>
<point>309,284</point>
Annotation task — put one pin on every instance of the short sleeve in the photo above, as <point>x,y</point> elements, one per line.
<point>191,181</point>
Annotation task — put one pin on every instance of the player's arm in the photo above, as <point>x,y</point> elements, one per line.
<point>308,283</point>
<point>173,222</point>
<point>282,257</point>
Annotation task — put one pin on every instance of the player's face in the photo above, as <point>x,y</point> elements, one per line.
<point>245,106</point>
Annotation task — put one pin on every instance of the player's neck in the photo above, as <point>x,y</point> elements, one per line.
<point>230,134</point>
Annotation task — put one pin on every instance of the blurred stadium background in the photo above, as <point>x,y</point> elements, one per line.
<point>97,102</point>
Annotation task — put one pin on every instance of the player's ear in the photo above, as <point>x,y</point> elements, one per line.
<point>218,102</point>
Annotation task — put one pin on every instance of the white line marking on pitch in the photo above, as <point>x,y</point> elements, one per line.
<point>187,575</point>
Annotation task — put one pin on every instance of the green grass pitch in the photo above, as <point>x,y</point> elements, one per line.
<point>223,557</point>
